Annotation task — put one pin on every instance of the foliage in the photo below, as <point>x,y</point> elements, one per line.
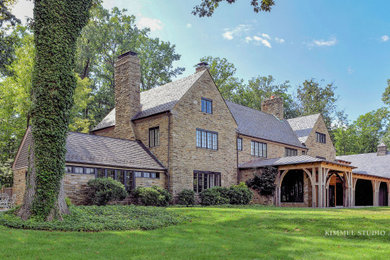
<point>68,202</point>
<point>81,99</point>
<point>186,197</point>
<point>103,190</point>
<point>6,175</point>
<point>107,35</point>
<point>240,194</point>
<point>264,181</point>
<point>213,196</point>
<point>207,7</point>
<point>94,218</point>
<point>57,24</point>
<point>152,196</point>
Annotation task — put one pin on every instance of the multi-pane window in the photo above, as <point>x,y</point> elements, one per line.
<point>292,187</point>
<point>154,136</point>
<point>258,149</point>
<point>291,152</point>
<point>207,105</point>
<point>321,138</point>
<point>206,139</point>
<point>152,175</point>
<point>206,180</point>
<point>239,144</point>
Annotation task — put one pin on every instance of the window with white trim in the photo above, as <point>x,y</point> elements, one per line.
<point>258,149</point>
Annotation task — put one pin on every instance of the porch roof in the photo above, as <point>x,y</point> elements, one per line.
<point>289,160</point>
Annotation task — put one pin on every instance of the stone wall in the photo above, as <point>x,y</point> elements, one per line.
<point>109,132</point>
<point>326,150</point>
<point>274,150</point>
<point>19,186</point>
<point>149,182</point>
<point>186,118</point>
<point>273,106</point>
<point>75,186</point>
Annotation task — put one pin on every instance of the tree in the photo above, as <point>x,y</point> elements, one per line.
<point>386,94</point>
<point>109,34</point>
<point>57,24</point>
<point>207,7</point>
<point>314,98</point>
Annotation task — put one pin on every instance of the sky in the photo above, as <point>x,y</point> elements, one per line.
<point>345,42</point>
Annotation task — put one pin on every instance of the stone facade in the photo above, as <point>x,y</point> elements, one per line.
<point>185,157</point>
<point>19,185</point>
<point>274,150</point>
<point>325,150</point>
<point>273,106</point>
<point>127,94</point>
<point>109,132</point>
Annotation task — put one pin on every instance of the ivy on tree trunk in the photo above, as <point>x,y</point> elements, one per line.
<point>57,24</point>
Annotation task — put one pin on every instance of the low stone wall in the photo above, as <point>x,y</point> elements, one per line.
<point>75,186</point>
<point>149,182</point>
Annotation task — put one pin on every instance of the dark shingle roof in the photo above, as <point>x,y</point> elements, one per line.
<point>255,123</point>
<point>157,100</point>
<point>303,125</point>
<point>101,150</point>
<point>369,164</point>
<point>279,161</point>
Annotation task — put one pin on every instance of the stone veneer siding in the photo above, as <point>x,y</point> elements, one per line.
<point>326,150</point>
<point>274,150</point>
<point>185,157</point>
<point>273,106</point>
<point>19,185</point>
<point>75,187</point>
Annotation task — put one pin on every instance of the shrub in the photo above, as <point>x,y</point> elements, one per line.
<point>213,196</point>
<point>152,196</point>
<point>240,194</point>
<point>103,190</point>
<point>186,197</point>
<point>68,202</point>
<point>264,183</point>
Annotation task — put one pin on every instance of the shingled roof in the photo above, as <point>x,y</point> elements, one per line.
<point>99,150</point>
<point>258,163</point>
<point>303,126</point>
<point>258,124</point>
<point>369,164</point>
<point>157,100</point>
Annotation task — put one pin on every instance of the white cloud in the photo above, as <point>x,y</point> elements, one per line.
<point>279,40</point>
<point>23,9</point>
<point>188,25</point>
<point>263,41</point>
<point>229,34</point>
<point>266,36</point>
<point>248,39</point>
<point>385,38</point>
<point>152,23</point>
<point>321,43</point>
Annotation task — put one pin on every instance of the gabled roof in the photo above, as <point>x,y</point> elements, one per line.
<point>99,150</point>
<point>369,164</point>
<point>258,124</point>
<point>303,125</point>
<point>157,100</point>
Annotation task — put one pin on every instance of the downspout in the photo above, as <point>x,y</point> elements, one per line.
<point>169,150</point>
<point>238,170</point>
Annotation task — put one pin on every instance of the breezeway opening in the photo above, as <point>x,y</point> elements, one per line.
<point>363,193</point>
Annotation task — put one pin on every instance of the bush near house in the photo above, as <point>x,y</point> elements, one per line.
<point>264,182</point>
<point>236,194</point>
<point>186,197</point>
<point>103,190</point>
<point>152,196</point>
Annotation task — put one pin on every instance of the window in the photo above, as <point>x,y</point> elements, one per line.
<point>291,152</point>
<point>206,180</point>
<point>239,144</point>
<point>78,170</point>
<point>292,187</point>
<point>321,138</point>
<point>258,149</point>
<point>206,139</point>
<point>151,175</point>
<point>303,152</point>
<point>101,173</point>
<point>120,176</point>
<point>138,174</point>
<point>154,136</point>
<point>111,173</point>
<point>68,169</point>
<point>89,170</point>
<point>207,105</point>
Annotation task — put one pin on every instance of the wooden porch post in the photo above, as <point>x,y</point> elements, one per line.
<point>376,184</point>
<point>313,188</point>
<point>320,192</point>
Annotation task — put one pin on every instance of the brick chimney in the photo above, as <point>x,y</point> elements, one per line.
<point>274,106</point>
<point>382,150</point>
<point>127,94</point>
<point>201,66</point>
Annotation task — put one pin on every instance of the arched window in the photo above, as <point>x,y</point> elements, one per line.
<point>292,187</point>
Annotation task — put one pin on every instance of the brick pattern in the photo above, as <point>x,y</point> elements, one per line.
<point>326,150</point>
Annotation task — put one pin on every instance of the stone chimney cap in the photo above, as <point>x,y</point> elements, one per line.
<point>132,53</point>
<point>201,66</point>
<point>382,145</point>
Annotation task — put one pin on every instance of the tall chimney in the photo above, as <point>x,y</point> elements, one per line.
<point>382,150</point>
<point>201,66</point>
<point>127,94</point>
<point>274,106</point>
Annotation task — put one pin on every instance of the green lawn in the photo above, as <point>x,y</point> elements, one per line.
<point>252,232</point>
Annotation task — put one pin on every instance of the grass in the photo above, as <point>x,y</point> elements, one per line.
<point>248,232</point>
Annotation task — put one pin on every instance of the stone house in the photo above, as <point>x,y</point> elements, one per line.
<point>184,135</point>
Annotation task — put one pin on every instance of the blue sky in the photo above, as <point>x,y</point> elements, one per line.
<point>346,42</point>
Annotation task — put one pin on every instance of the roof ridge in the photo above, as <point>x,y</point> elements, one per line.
<point>267,114</point>
<point>316,114</point>
<point>102,136</point>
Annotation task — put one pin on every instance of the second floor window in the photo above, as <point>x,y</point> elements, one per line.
<point>291,152</point>
<point>207,106</point>
<point>258,149</point>
<point>239,144</point>
<point>321,138</point>
<point>206,139</point>
<point>154,136</point>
